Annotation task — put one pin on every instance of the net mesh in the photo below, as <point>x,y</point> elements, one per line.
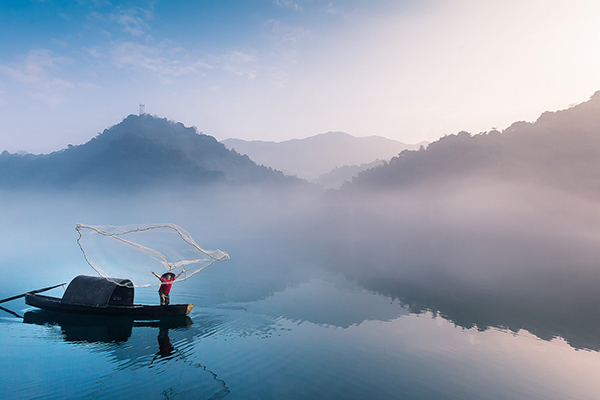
<point>135,251</point>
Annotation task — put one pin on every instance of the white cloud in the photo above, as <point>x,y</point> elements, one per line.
<point>60,43</point>
<point>239,58</point>
<point>236,62</point>
<point>132,20</point>
<point>285,34</point>
<point>289,4</point>
<point>153,60</point>
<point>169,63</point>
<point>48,97</point>
<point>36,68</point>
<point>94,52</point>
<point>100,3</point>
<point>330,9</point>
<point>39,70</point>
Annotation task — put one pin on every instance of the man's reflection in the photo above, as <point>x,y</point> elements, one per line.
<point>164,342</point>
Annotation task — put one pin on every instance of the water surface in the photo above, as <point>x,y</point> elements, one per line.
<point>317,304</point>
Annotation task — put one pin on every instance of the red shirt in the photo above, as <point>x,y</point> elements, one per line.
<point>166,286</point>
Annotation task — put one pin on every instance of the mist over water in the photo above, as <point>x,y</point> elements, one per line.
<point>431,247</point>
<point>310,269</point>
<point>482,253</point>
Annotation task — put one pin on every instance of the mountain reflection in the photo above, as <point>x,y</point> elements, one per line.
<point>552,306</point>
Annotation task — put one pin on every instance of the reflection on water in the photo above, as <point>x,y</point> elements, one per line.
<point>143,349</point>
<point>552,307</point>
<point>485,256</point>
<point>273,348</point>
<point>444,300</point>
<point>165,348</point>
<point>99,328</point>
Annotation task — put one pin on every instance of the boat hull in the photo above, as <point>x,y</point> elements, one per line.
<point>141,311</point>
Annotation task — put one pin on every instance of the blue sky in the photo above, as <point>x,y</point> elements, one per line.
<point>409,70</point>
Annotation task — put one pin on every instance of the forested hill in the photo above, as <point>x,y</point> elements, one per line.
<point>560,149</point>
<point>138,152</point>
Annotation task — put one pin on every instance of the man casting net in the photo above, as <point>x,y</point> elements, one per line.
<point>134,251</point>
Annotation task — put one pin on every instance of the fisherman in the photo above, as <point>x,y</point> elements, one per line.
<point>167,280</point>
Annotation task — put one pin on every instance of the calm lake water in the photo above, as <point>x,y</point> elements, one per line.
<point>300,312</point>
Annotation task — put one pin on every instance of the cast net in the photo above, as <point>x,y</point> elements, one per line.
<point>135,251</point>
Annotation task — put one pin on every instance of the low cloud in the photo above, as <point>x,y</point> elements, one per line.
<point>154,60</point>
<point>133,21</point>
<point>288,4</point>
<point>39,69</point>
<point>330,9</point>
<point>285,34</point>
<point>36,67</point>
<point>168,62</point>
<point>237,62</point>
<point>60,43</point>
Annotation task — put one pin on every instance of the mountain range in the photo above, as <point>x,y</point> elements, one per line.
<point>561,149</point>
<point>142,150</point>
<point>314,156</point>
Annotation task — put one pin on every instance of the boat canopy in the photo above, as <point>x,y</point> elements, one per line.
<point>99,292</point>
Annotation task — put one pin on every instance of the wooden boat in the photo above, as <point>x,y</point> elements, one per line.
<point>95,295</point>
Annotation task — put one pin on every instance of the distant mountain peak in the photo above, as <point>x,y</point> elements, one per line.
<point>314,156</point>
<point>337,134</point>
<point>139,151</point>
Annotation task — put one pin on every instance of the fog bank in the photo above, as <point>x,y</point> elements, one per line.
<point>480,253</point>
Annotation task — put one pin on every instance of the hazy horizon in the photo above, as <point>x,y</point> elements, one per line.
<point>277,70</point>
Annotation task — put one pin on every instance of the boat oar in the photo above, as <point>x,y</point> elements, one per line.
<point>10,312</point>
<point>30,292</point>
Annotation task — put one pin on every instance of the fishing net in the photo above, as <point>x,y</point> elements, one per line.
<point>135,251</point>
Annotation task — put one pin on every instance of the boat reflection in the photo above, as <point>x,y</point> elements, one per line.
<point>131,345</point>
<point>91,329</point>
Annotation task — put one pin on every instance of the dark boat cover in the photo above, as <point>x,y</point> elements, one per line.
<point>98,291</point>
